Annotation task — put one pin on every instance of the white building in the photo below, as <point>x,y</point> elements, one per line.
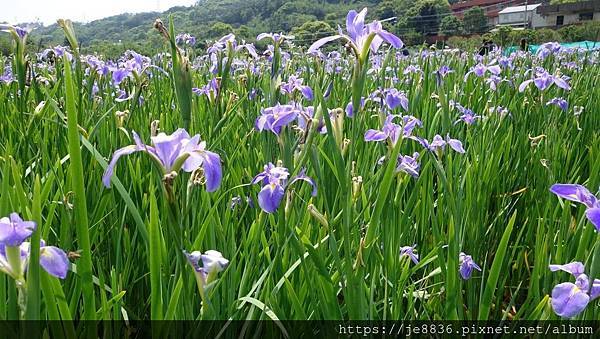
<point>521,16</point>
<point>569,13</point>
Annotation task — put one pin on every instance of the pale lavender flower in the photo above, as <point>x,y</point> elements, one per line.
<point>275,118</point>
<point>395,98</point>
<point>409,164</point>
<point>580,194</point>
<point>14,230</point>
<point>393,131</point>
<point>359,34</point>
<point>570,299</point>
<point>277,38</point>
<point>544,80</point>
<point>560,102</point>
<point>480,70</point>
<point>295,84</point>
<point>172,153</point>
<point>467,265</point>
<point>185,39</point>
<point>275,180</point>
<point>52,259</point>
<point>213,262</point>
<point>409,251</point>
<point>438,143</point>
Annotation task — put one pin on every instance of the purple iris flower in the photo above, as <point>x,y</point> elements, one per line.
<point>274,180</point>
<point>441,73</point>
<point>350,109</point>
<point>581,195</point>
<point>210,90</point>
<point>412,69</point>
<point>393,131</point>
<point>212,263</point>
<point>119,75</point>
<point>438,143</point>
<point>52,259</point>
<point>444,70</point>
<point>480,70</point>
<point>14,231</point>
<point>493,81</point>
<point>409,251</point>
<point>20,32</point>
<point>548,49</point>
<point>172,153</point>
<point>560,102</point>
<point>506,62</point>
<point>295,84</point>
<point>122,96</point>
<point>277,38</point>
<point>570,299</point>
<point>359,34</point>
<point>544,80</point>
<point>185,39</point>
<point>409,164</point>
<point>395,98</point>
<point>467,116</point>
<point>305,115</point>
<point>275,118</point>
<point>466,266</point>
<point>95,89</point>
<point>7,77</point>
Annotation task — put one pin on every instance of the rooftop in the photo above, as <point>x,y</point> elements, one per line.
<point>519,9</point>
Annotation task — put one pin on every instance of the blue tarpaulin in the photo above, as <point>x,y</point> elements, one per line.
<point>587,45</point>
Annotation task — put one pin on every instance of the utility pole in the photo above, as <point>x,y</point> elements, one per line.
<point>526,16</point>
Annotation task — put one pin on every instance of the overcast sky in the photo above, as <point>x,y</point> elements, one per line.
<point>47,11</point>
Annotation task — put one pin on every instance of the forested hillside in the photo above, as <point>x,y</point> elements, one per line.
<point>208,19</point>
<point>307,20</point>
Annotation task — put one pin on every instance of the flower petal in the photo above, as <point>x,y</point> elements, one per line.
<point>575,268</point>
<point>307,92</point>
<point>524,85</point>
<point>456,145</point>
<point>568,300</point>
<point>575,193</point>
<point>593,214</point>
<point>270,197</point>
<point>113,162</point>
<point>302,176</point>
<point>212,170</point>
<point>391,39</point>
<point>319,43</point>
<point>54,261</point>
<point>375,135</point>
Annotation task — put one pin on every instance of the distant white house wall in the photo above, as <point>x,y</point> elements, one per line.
<point>552,16</point>
<point>557,16</point>
<point>520,16</point>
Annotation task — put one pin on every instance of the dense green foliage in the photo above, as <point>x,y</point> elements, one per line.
<point>335,254</point>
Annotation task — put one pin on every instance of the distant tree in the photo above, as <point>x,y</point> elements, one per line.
<point>412,38</point>
<point>451,25</point>
<point>218,30</point>
<point>386,9</point>
<point>474,20</point>
<point>243,32</point>
<point>311,31</point>
<point>424,17</point>
<point>502,36</point>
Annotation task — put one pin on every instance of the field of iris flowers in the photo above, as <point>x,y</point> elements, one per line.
<point>342,181</point>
